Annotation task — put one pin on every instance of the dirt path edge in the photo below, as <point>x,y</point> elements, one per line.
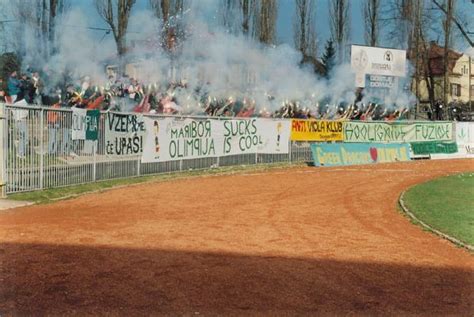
<point>443,235</point>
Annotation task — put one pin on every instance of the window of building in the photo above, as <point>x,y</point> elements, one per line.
<point>456,90</point>
<point>472,91</point>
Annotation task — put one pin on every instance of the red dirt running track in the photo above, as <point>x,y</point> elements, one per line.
<point>289,241</point>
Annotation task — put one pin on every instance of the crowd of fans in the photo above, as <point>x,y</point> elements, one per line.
<point>131,95</point>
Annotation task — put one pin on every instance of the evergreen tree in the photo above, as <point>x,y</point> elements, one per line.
<point>9,62</point>
<point>329,57</point>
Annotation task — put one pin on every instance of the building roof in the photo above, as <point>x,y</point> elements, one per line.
<point>436,57</point>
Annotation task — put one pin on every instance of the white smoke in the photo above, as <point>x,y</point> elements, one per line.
<point>470,52</point>
<point>208,59</point>
<point>230,65</point>
<point>78,52</point>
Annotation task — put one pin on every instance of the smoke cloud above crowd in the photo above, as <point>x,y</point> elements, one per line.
<point>206,59</point>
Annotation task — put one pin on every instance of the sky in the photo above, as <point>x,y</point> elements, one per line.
<point>285,20</point>
<point>284,23</point>
<point>286,16</point>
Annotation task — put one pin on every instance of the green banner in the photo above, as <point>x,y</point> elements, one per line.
<point>92,124</point>
<point>397,132</point>
<point>336,154</point>
<point>434,148</point>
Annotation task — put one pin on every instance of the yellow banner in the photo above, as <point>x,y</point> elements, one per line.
<point>316,130</point>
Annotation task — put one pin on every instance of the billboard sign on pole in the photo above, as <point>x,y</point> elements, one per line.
<point>378,61</point>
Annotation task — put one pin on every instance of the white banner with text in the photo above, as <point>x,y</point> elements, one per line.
<point>170,139</point>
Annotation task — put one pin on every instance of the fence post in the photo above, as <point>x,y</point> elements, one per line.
<point>3,150</point>
<point>290,151</point>
<point>218,159</point>
<point>94,159</point>
<point>41,148</point>
<point>138,166</point>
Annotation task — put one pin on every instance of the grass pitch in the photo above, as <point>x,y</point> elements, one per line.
<point>446,204</point>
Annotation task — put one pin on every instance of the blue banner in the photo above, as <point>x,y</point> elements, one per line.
<point>336,154</point>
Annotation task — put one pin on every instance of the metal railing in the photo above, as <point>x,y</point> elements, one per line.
<point>39,153</point>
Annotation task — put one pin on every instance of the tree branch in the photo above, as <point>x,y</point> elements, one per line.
<point>456,22</point>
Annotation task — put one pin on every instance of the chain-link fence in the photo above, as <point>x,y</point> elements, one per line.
<point>40,153</point>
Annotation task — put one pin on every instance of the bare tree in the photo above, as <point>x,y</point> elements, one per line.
<point>229,15</point>
<point>171,12</point>
<point>164,9</point>
<point>420,46</point>
<point>419,22</point>
<point>371,12</point>
<point>451,16</point>
<point>239,17</point>
<point>409,22</point>
<point>116,14</point>
<point>24,14</point>
<point>401,17</point>
<point>161,9</point>
<point>55,7</point>
<point>304,29</point>
<point>456,20</point>
<point>248,11</point>
<point>40,18</point>
<point>340,26</point>
<point>267,21</point>
<point>42,26</point>
<point>449,7</point>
